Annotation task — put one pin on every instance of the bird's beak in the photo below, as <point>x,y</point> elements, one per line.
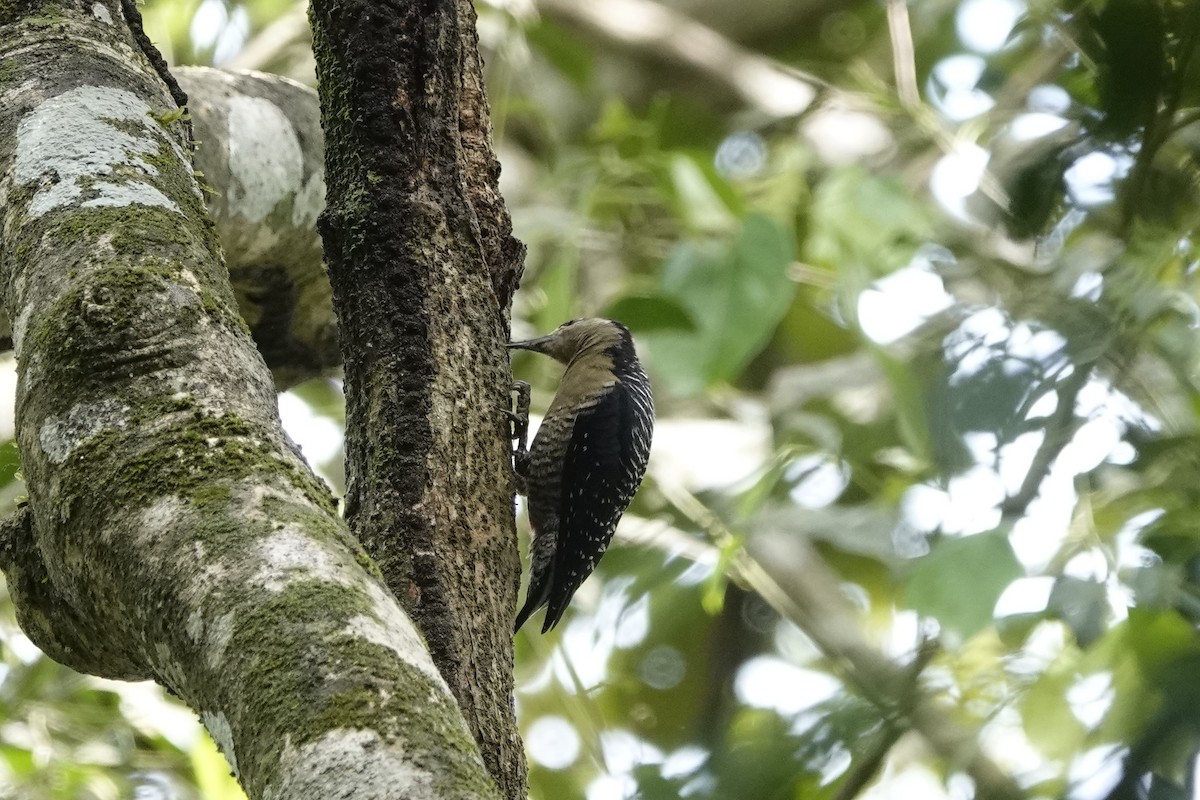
<point>537,345</point>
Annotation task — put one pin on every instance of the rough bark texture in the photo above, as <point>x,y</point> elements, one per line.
<point>423,266</point>
<point>172,530</point>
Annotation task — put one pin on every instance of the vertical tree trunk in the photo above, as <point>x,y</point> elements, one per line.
<point>423,266</point>
<point>172,530</point>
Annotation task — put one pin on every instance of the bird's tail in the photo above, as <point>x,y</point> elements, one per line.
<point>535,598</point>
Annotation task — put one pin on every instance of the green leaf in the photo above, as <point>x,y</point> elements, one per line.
<point>10,462</point>
<point>1160,640</point>
<point>557,289</point>
<point>1082,604</point>
<point>643,313</point>
<point>566,53</point>
<point>859,218</point>
<point>960,580</point>
<point>705,201</point>
<point>736,298</point>
<point>1047,717</point>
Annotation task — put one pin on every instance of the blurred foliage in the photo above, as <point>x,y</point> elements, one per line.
<point>952,343</point>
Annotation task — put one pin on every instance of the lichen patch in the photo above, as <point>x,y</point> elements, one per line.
<point>391,629</point>
<point>265,159</point>
<point>61,435</point>
<point>219,632</point>
<point>321,769</point>
<point>309,201</point>
<point>77,140</point>
<point>222,734</point>
<point>288,556</point>
<point>128,194</point>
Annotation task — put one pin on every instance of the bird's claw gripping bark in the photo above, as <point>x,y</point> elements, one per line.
<point>519,419</point>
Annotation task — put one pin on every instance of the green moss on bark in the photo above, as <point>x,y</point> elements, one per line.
<point>272,649</point>
<point>10,68</point>
<point>183,460</point>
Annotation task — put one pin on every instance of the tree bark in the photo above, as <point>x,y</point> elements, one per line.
<point>172,530</point>
<point>423,266</point>
<point>261,144</point>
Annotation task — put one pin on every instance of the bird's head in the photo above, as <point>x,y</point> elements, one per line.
<point>578,336</point>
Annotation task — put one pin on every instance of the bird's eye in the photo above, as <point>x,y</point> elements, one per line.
<point>569,323</point>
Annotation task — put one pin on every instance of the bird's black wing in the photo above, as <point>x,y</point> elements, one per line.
<point>601,471</point>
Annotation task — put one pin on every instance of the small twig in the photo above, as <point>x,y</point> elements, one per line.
<point>904,62</point>
<point>1185,118</point>
<point>133,18</point>
<point>792,577</point>
<point>15,530</point>
<point>867,765</point>
<point>1060,428</point>
<point>763,83</point>
<point>287,30</point>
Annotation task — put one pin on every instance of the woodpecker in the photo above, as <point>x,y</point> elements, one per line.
<point>587,459</point>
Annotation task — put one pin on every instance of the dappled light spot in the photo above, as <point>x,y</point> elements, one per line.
<point>553,742</point>
<point>956,176</point>
<point>633,623</point>
<point>817,480</point>
<point>213,25</point>
<point>896,304</point>
<point>612,787</point>
<point>1091,179</point>
<point>769,682</point>
<point>663,667</point>
<point>1025,596</point>
<point>741,155</point>
<point>1093,773</point>
<point>984,25</point>
<point>846,136</point>
<point>624,751</point>
<point>1035,125</point>
<point>953,87</point>
<point>684,761</point>
<point>1091,697</point>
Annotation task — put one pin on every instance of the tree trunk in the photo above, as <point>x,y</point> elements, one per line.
<point>172,531</point>
<point>423,266</point>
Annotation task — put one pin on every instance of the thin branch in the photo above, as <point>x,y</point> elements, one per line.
<point>763,83</point>
<point>794,580</point>
<point>1160,127</point>
<point>866,767</point>
<point>1060,428</point>
<point>792,577</point>
<point>904,61</point>
<point>270,44</point>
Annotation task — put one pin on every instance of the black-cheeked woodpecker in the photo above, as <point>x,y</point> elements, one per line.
<point>587,459</point>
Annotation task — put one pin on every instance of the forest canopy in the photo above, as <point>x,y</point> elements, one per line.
<point>916,288</point>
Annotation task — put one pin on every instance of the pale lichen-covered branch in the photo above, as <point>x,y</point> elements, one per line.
<point>172,530</point>
<point>262,152</point>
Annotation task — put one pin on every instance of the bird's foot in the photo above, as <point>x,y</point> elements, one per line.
<point>519,419</point>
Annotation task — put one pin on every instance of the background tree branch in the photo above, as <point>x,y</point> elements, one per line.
<point>261,144</point>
